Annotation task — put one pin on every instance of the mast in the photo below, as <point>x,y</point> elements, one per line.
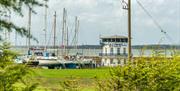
<point>9,33</point>
<point>76,32</point>
<point>29,28</point>
<point>67,37</point>
<point>67,41</point>
<point>45,26</point>
<point>15,38</point>
<point>54,32</point>
<point>64,32</point>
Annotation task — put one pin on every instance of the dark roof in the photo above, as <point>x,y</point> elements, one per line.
<point>114,36</point>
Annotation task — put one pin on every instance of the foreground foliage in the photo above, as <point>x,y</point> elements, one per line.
<point>15,7</point>
<point>72,84</point>
<point>144,75</point>
<point>11,73</point>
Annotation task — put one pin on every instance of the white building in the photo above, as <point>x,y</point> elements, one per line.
<point>114,50</point>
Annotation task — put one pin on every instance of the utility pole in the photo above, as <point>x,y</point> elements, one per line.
<point>127,6</point>
<point>129,30</point>
<point>54,32</point>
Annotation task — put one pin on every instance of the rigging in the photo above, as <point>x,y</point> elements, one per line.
<point>155,22</point>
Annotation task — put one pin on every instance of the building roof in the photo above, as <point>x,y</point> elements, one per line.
<point>114,36</point>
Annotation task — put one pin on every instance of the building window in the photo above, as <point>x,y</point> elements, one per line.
<point>118,51</point>
<point>105,51</point>
<point>119,61</point>
<point>124,50</point>
<point>111,51</point>
<point>111,61</point>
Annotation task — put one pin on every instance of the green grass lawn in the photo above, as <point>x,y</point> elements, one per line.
<point>49,79</point>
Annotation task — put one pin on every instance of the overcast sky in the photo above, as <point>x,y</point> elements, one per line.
<point>106,17</point>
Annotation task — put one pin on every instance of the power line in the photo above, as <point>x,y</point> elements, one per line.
<point>155,22</point>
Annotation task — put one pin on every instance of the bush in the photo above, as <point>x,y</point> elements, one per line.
<point>71,84</point>
<point>152,74</point>
<point>11,73</point>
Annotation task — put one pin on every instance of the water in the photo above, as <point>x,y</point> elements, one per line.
<point>95,52</point>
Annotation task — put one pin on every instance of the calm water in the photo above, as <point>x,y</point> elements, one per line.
<point>95,52</point>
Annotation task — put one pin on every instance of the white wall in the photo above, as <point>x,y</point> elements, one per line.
<point>115,62</point>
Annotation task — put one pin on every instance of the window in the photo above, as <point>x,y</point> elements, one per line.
<point>126,40</point>
<point>105,51</point>
<point>124,50</point>
<point>118,51</point>
<point>111,51</point>
<point>111,61</point>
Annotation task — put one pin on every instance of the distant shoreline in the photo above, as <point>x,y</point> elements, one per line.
<point>99,47</point>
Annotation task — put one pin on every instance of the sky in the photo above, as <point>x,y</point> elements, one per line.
<point>106,18</point>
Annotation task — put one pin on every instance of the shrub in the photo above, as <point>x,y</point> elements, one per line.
<point>144,74</point>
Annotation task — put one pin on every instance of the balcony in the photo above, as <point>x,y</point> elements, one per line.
<point>113,54</point>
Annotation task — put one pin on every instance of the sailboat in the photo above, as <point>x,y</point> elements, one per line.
<point>39,56</point>
<point>47,59</point>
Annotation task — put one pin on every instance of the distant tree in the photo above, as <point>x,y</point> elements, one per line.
<point>15,7</point>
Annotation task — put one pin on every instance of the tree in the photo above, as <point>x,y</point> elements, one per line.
<point>11,73</point>
<point>144,75</point>
<point>15,6</point>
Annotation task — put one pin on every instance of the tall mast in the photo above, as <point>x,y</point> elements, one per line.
<point>45,26</point>
<point>15,38</point>
<point>64,32</point>
<point>67,40</point>
<point>54,31</point>
<point>129,30</point>
<point>29,28</point>
<point>67,36</point>
<point>76,32</point>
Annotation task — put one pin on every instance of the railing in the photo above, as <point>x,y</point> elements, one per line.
<point>113,54</point>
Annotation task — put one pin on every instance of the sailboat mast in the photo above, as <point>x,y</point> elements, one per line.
<point>45,26</point>
<point>29,28</point>
<point>54,31</point>
<point>76,32</point>
<point>67,40</point>
<point>64,32</point>
<point>67,35</point>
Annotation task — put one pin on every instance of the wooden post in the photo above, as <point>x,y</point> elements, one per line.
<point>129,30</point>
